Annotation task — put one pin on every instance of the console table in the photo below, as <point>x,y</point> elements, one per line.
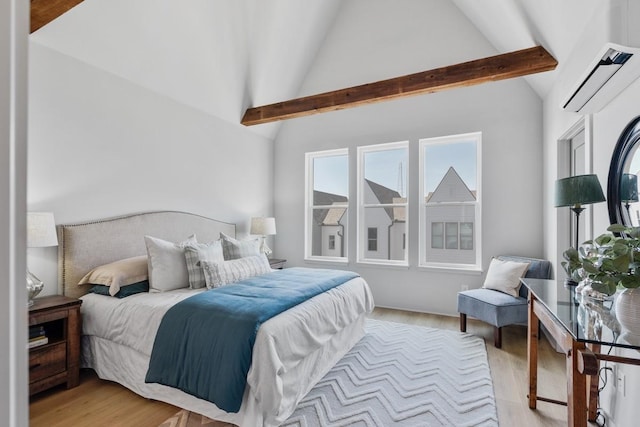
<point>580,326</point>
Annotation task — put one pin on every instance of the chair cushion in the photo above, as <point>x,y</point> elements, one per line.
<point>495,308</point>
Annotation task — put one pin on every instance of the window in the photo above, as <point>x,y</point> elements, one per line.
<point>382,203</point>
<point>450,202</point>
<point>372,239</point>
<point>327,201</point>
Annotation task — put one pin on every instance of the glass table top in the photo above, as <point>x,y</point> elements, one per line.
<point>586,319</point>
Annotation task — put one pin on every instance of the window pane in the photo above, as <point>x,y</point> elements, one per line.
<point>441,235</point>
<point>437,235</point>
<point>385,175</point>
<point>330,180</point>
<point>386,233</point>
<point>328,228</point>
<point>451,169</point>
<point>328,202</point>
<point>450,197</point>
<point>452,235</point>
<point>466,235</point>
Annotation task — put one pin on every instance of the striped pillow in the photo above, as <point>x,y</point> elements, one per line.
<point>234,249</point>
<point>222,273</point>
<point>197,252</point>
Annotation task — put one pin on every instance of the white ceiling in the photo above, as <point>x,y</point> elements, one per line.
<point>222,56</point>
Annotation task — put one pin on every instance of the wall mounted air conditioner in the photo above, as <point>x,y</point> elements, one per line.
<point>614,68</point>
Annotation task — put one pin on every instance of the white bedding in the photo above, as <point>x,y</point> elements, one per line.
<point>292,350</point>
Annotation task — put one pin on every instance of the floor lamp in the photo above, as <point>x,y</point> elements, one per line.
<point>576,191</point>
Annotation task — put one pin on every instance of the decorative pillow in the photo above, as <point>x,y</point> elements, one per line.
<point>117,274</point>
<point>196,253</point>
<point>167,265</point>
<point>234,249</point>
<point>125,291</point>
<point>504,276</point>
<point>222,273</point>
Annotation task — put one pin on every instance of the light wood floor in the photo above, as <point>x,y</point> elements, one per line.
<point>99,403</point>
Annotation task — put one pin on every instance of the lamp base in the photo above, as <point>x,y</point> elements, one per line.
<point>264,248</point>
<point>34,286</point>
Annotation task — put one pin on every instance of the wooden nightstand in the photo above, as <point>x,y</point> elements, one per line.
<point>277,264</point>
<point>58,361</point>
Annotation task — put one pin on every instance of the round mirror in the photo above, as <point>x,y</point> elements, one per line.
<point>622,185</point>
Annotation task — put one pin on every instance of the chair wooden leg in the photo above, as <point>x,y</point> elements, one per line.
<point>497,337</point>
<point>463,322</point>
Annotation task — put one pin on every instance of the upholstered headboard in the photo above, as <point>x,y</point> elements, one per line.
<point>84,246</point>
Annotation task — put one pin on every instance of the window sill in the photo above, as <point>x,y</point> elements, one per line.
<point>370,263</point>
<point>471,270</point>
<point>327,260</point>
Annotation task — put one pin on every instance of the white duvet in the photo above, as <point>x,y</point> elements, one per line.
<point>292,350</point>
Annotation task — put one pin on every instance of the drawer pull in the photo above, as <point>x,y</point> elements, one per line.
<point>34,366</point>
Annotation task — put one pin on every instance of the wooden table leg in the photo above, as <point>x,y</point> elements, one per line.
<point>576,389</point>
<point>593,382</point>
<point>532,353</point>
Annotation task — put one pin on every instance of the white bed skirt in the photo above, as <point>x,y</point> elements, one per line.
<point>115,362</point>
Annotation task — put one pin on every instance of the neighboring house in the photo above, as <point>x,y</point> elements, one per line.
<point>451,221</point>
<point>385,227</point>
<point>328,228</point>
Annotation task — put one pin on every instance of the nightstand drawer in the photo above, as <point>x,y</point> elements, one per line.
<point>47,361</point>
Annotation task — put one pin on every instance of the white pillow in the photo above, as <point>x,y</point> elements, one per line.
<point>504,276</point>
<point>222,273</point>
<point>167,264</point>
<point>234,249</point>
<point>196,253</point>
<point>118,274</point>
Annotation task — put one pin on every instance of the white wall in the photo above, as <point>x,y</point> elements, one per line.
<point>13,141</point>
<point>101,145</point>
<point>602,132</point>
<point>374,40</point>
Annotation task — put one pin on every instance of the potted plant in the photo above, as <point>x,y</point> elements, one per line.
<point>610,262</point>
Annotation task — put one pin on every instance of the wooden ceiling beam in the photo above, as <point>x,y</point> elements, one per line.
<point>494,68</point>
<point>45,11</point>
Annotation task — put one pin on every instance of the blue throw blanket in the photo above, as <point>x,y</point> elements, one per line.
<point>204,344</point>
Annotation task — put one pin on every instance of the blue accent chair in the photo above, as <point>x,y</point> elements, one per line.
<point>497,308</point>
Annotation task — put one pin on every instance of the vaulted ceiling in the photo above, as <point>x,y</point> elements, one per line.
<point>223,56</point>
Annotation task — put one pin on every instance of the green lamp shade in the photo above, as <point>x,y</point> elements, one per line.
<point>629,188</point>
<point>578,190</point>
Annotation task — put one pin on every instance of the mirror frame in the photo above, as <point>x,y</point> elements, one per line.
<point>628,141</point>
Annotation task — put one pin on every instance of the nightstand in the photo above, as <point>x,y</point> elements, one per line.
<point>277,264</point>
<point>58,361</point>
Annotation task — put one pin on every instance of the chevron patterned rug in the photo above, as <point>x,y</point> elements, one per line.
<point>398,375</point>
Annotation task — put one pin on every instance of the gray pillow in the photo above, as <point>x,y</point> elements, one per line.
<point>195,254</point>
<point>234,249</point>
<point>167,265</point>
<point>222,273</point>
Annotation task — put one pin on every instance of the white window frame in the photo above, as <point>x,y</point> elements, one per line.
<point>423,223</point>
<point>308,198</point>
<point>361,234</point>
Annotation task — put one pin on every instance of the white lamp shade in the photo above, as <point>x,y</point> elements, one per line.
<point>41,230</point>
<point>263,226</point>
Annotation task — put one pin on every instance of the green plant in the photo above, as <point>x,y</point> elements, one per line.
<point>572,264</point>
<point>610,260</point>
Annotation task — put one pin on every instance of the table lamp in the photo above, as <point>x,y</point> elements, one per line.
<point>576,191</point>
<point>41,232</point>
<point>263,227</point>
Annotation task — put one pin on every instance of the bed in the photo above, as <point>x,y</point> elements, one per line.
<point>292,350</point>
